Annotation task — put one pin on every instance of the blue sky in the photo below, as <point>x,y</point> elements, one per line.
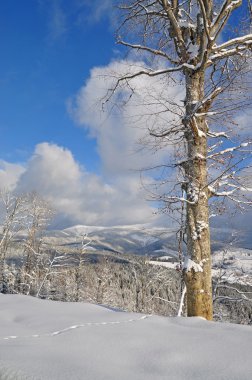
<point>57,62</point>
<point>54,138</point>
<point>47,50</point>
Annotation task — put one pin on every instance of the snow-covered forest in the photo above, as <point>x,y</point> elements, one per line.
<point>134,268</point>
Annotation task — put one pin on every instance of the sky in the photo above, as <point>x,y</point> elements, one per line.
<point>48,49</point>
<point>57,137</point>
<point>52,138</point>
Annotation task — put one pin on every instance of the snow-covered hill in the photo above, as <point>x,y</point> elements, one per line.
<point>134,239</point>
<point>231,257</point>
<point>47,340</point>
<point>233,264</point>
<point>143,239</point>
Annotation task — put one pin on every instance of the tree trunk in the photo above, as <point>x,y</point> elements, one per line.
<point>197,270</point>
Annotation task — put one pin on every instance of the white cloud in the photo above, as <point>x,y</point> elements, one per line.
<point>118,131</point>
<point>49,164</point>
<point>57,18</point>
<point>9,174</point>
<point>80,196</point>
<point>115,197</point>
<point>243,120</point>
<point>101,8</point>
<point>93,11</point>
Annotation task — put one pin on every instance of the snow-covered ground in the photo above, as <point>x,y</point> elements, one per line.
<point>233,265</point>
<point>134,239</point>
<point>166,264</point>
<point>48,340</point>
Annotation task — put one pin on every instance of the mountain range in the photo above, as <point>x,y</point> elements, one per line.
<point>232,252</point>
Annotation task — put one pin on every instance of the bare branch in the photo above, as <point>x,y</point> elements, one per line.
<point>247,40</point>
<point>228,53</point>
<point>176,29</point>
<point>227,8</point>
<point>232,149</point>
<point>205,20</point>
<point>148,49</point>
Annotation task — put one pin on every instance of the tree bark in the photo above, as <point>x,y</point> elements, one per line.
<point>197,272</point>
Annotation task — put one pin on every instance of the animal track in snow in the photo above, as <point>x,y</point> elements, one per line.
<point>73,327</point>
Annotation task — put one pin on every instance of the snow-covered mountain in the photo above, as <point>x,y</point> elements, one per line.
<point>143,239</point>
<point>232,256</point>
<point>136,239</point>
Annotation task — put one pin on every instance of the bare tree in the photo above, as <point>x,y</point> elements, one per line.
<point>12,222</point>
<point>38,216</point>
<point>53,264</point>
<point>80,261</point>
<point>232,283</point>
<point>192,43</point>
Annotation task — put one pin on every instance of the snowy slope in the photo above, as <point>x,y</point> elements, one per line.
<point>142,239</point>
<point>49,340</point>
<point>234,265</point>
<point>134,239</point>
<point>230,260</point>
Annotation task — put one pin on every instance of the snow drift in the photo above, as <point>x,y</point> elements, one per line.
<point>47,340</point>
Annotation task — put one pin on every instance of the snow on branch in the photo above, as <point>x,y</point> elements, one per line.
<point>148,72</point>
<point>232,149</point>
<point>238,50</point>
<point>205,19</point>
<point>148,49</point>
<point>244,40</point>
<point>232,191</point>
<point>175,27</point>
<point>206,102</point>
<point>199,109</point>
<point>223,193</point>
<point>153,73</point>
<point>227,8</point>
<point>174,199</point>
<point>217,134</point>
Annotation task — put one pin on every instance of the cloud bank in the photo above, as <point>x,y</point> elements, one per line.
<point>121,125</point>
<point>9,174</point>
<point>116,196</point>
<point>79,197</point>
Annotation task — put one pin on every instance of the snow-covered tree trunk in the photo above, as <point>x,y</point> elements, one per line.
<point>191,44</point>
<point>197,269</point>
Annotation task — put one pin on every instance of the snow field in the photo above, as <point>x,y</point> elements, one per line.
<point>46,340</point>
